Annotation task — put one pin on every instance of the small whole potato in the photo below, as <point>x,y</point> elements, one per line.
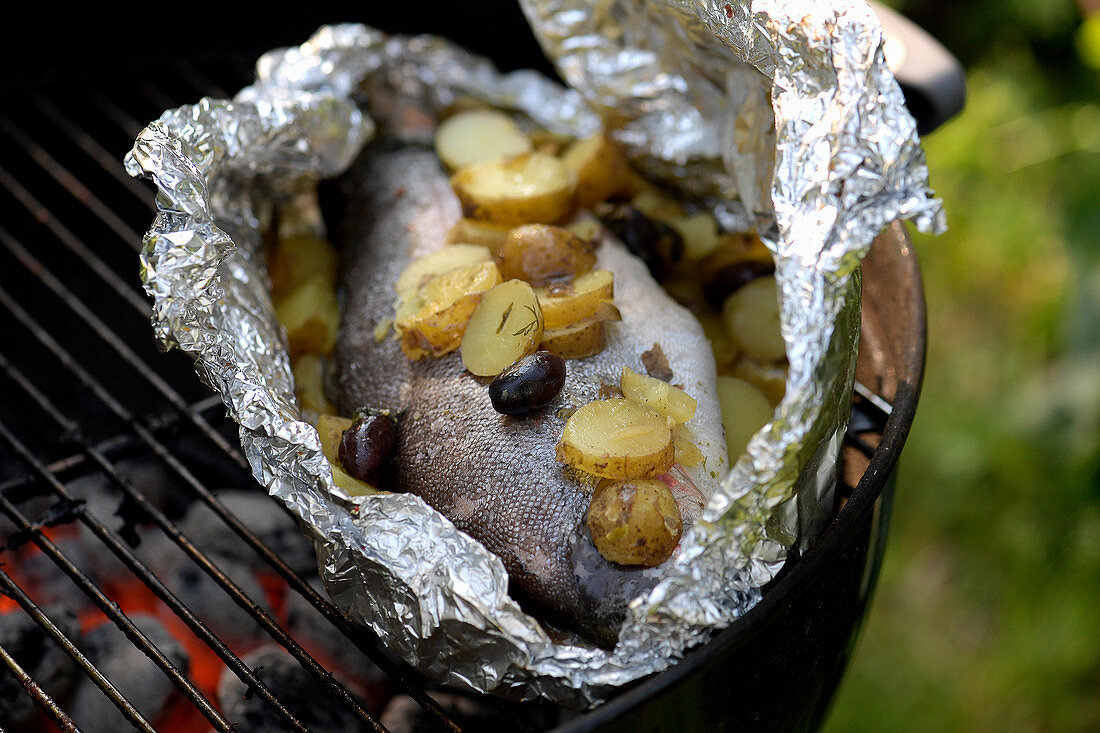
<point>544,255</point>
<point>634,522</point>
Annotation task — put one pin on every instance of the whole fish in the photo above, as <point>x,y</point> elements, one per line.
<point>494,476</point>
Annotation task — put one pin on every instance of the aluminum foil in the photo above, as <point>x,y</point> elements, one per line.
<point>782,116</point>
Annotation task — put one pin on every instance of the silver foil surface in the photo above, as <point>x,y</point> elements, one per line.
<point>781,116</point>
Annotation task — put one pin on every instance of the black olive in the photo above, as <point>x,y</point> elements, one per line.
<point>657,244</point>
<point>367,445</point>
<point>528,384</point>
<point>733,277</point>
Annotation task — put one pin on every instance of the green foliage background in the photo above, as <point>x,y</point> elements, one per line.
<point>987,615</point>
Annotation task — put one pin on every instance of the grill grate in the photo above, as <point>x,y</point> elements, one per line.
<point>84,389</point>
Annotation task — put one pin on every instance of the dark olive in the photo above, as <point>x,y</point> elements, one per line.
<point>657,244</point>
<point>733,277</point>
<point>367,445</point>
<point>528,384</point>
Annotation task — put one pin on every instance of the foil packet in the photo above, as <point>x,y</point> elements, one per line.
<point>777,116</point>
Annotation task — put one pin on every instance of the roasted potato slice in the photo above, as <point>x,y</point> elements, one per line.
<point>296,259</point>
<point>580,302</point>
<point>309,383</point>
<point>617,438</point>
<point>421,270</point>
<point>576,341</point>
<point>351,486</point>
<point>699,233</point>
<point>485,233</point>
<point>523,189</point>
<point>330,428</point>
<point>745,410</point>
<point>311,316</point>
<point>751,315</point>
<point>687,450</point>
<point>478,134</point>
<point>600,166</point>
<point>634,522</point>
<point>658,395</point>
<point>544,255</point>
<point>505,326</point>
<point>432,321</point>
<point>769,378</point>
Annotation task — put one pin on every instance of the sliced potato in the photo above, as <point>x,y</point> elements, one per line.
<point>601,169</point>
<point>634,522</point>
<point>544,255</point>
<point>487,234</point>
<point>523,189</point>
<point>577,341</point>
<point>687,451</point>
<point>505,326</point>
<point>309,383</point>
<point>656,204</point>
<point>658,395</point>
<point>617,438</point>
<point>331,429</point>
<point>311,316</point>
<point>580,302</point>
<point>585,227</point>
<point>296,259</point>
<point>751,315</point>
<point>699,233</point>
<point>351,486</point>
<point>433,320</point>
<point>444,260</point>
<point>771,379</point>
<point>478,134</point>
<point>745,410</point>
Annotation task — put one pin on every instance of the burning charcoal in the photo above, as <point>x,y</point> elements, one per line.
<point>47,582</point>
<point>264,517</point>
<point>39,656</point>
<point>213,604</point>
<point>319,709</point>
<point>134,674</point>
<point>405,715</point>
<point>318,637</point>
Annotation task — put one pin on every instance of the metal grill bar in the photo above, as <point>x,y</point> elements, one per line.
<point>102,330</point>
<point>40,697</point>
<point>108,607</point>
<point>112,540</point>
<point>269,625</point>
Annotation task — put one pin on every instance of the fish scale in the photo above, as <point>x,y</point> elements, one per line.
<point>497,477</point>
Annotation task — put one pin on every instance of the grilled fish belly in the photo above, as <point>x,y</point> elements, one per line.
<point>497,477</point>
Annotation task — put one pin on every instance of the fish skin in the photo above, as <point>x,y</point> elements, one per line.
<point>497,477</point>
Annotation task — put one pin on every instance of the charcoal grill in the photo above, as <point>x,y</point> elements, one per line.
<point>84,391</point>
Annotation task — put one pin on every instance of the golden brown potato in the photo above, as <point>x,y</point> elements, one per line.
<point>769,378</point>
<point>751,315</point>
<point>658,395</point>
<point>351,486</point>
<point>600,166</point>
<point>505,326</point>
<point>487,234</point>
<point>544,255</point>
<point>577,341</point>
<point>699,233</point>
<point>432,321</point>
<point>478,134</point>
<point>421,270</point>
<point>309,383</point>
<point>579,302</point>
<point>634,522</point>
<point>311,316</point>
<point>296,259</point>
<point>330,428</point>
<point>745,410</point>
<point>529,188</point>
<point>617,438</point>
<point>687,451</point>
